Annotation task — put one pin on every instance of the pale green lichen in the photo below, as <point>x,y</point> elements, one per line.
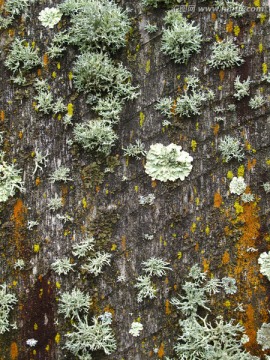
<point>10,179</point>
<point>181,38</point>
<point>7,302</point>
<point>74,304</point>
<point>85,338</point>
<point>168,162</point>
<point>225,54</point>
<point>95,135</point>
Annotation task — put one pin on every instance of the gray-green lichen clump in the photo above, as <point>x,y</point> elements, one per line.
<point>168,162</point>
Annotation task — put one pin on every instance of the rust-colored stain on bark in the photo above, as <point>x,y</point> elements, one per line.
<point>14,351</point>
<point>217,200</point>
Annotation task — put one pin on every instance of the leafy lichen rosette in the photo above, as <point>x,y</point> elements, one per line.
<point>168,162</point>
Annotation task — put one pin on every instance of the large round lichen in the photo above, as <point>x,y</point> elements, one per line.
<point>168,162</point>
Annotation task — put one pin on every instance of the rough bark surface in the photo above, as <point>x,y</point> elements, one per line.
<point>194,221</point>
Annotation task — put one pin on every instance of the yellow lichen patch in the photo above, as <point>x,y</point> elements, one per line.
<point>267,161</point>
<point>153,183</point>
<point>251,164</point>
<point>229,175</point>
<point>257,3</point>
<point>238,208</point>
<point>193,227</point>
<point>148,66</point>
<point>136,188</point>
<point>229,26</point>
<point>84,203</point>
<point>264,68</point>
<point>19,219</point>
<point>262,18</point>
<point>236,30</point>
<point>241,170</point>
<point>58,285</point>
<point>207,230</point>
<point>225,258</point>
<point>2,115</point>
<point>70,76</point>
<point>36,248</point>
<point>227,304</point>
<point>142,118</point>
<point>70,109</point>
<point>179,255</point>
<point>58,65</point>
<point>57,338</point>
<point>193,145</point>
<point>114,247</point>
<point>167,307</point>
<point>215,129</point>
<point>20,135</point>
<point>221,75</point>
<point>54,75</point>
<point>260,48</point>
<point>161,351</point>
<point>47,348</point>
<point>217,200</point>
<point>14,351</point>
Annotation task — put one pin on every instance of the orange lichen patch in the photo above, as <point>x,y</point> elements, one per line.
<point>221,75</point>
<point>197,246</point>
<point>39,72</point>
<point>213,16</point>
<point>225,258</point>
<point>64,189</point>
<point>206,264</point>
<point>109,309</point>
<point>215,129</point>
<point>246,271</point>
<point>11,32</point>
<point>45,59</point>
<point>123,243</point>
<point>217,200</point>
<point>229,26</point>
<point>251,164</point>
<point>153,183</point>
<point>14,351</point>
<point>2,2</point>
<point>97,189</point>
<point>161,351</point>
<point>19,219</point>
<point>2,115</point>
<point>167,307</point>
<point>249,324</point>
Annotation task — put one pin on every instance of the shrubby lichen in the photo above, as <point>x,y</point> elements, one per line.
<point>181,38</point>
<point>7,302</point>
<point>10,179</point>
<point>225,54</point>
<point>95,135</point>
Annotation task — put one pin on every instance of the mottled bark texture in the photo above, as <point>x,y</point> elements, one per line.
<point>194,221</point>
